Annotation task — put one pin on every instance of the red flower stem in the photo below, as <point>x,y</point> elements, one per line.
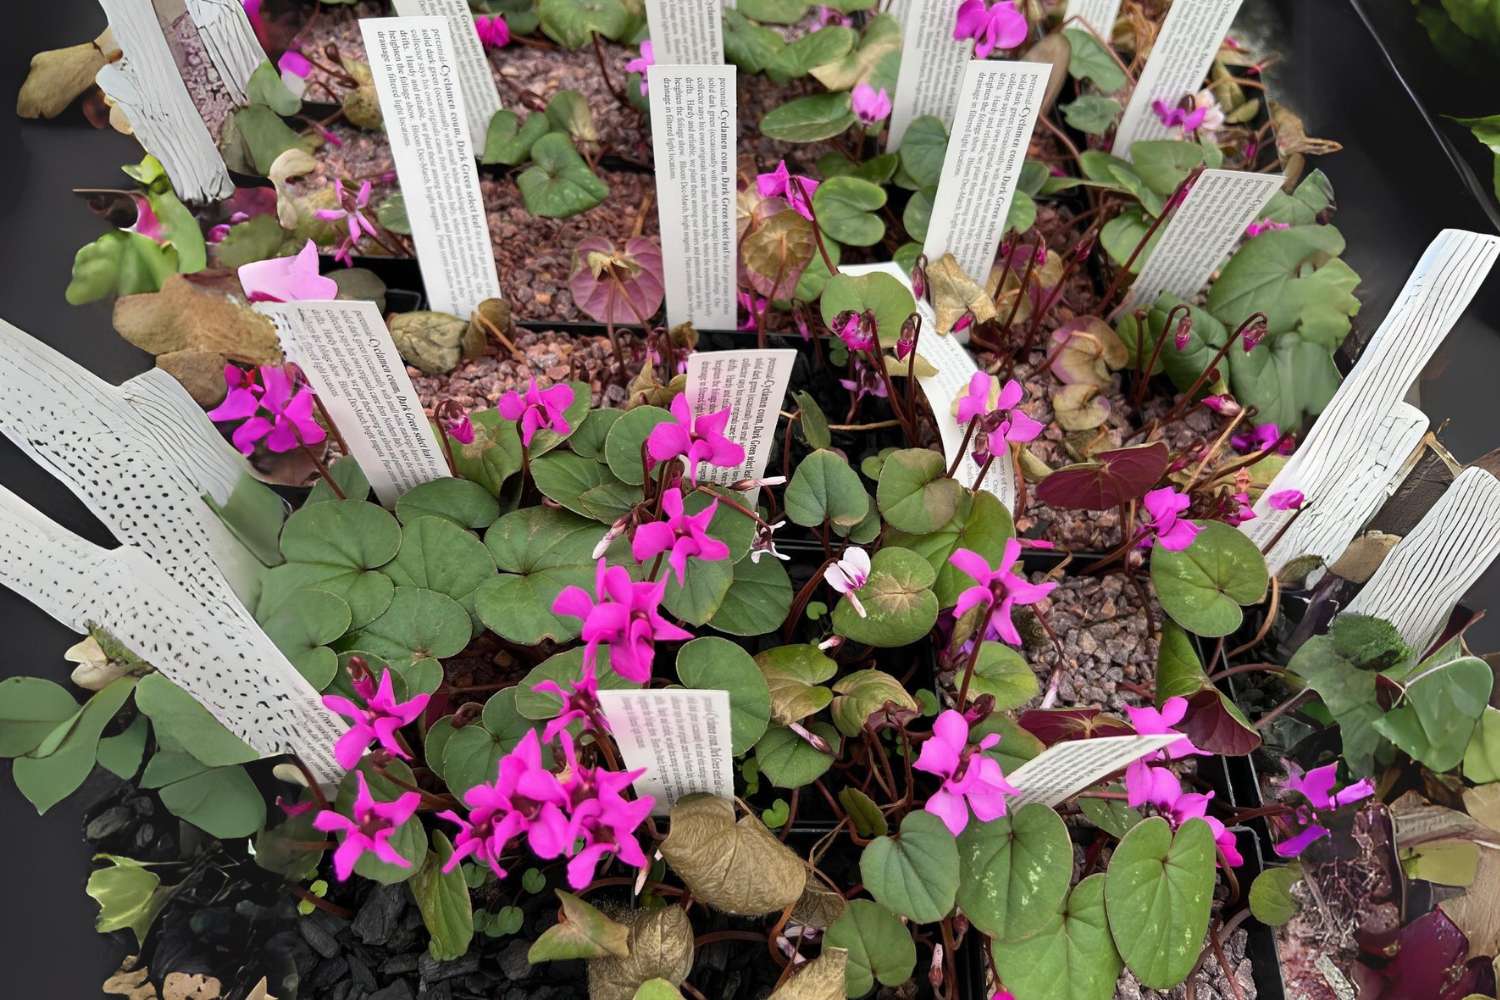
<point>984,470</point>
<point>817,229</point>
<point>963,689</point>
<point>616,92</point>
<point>1015,306</point>
<point>1187,397</point>
<point>911,373</point>
<point>963,447</point>
<point>1161,339</point>
<point>323,472</point>
<point>319,902</point>
<point>799,603</point>
<point>312,783</point>
<point>1173,203</point>
<point>447,451</point>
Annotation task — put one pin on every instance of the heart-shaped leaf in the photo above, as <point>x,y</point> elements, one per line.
<point>1014,871</point>
<point>888,298</point>
<point>739,868</point>
<point>559,182</point>
<point>774,254</point>
<point>221,801</point>
<point>1482,758</point>
<point>508,140</point>
<point>789,761</point>
<point>846,208</point>
<point>582,932</point>
<point>336,546</point>
<point>915,494</point>
<point>625,288</point>
<point>1003,673</point>
<point>67,754</point>
<point>879,946</point>
<point>440,556</point>
<point>868,693</point>
<point>915,873</point>
<point>1158,892</point>
<point>304,627</point>
<point>899,604</point>
<point>660,949</point>
<point>419,624</point>
<point>758,599</point>
<point>711,663</point>
<point>493,456</point>
<point>1348,692</point>
<point>625,440</point>
<point>698,598</point>
<point>588,437</point>
<point>809,119</point>
<point>30,708</point>
<point>1203,586</point>
<point>824,487</point>
<point>466,504</point>
<point>1442,701</point>
<point>1213,722</point>
<point>793,675</point>
<point>539,551</point>
<point>1058,724</point>
<point>1071,957</point>
<point>923,148</point>
<point>1271,899</point>
<point>979,523</point>
<point>1113,478</point>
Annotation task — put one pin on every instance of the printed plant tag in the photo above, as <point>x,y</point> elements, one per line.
<point>693,136</point>
<point>932,66</point>
<point>481,98</point>
<point>1201,232</point>
<point>686,32</point>
<point>997,109</point>
<point>230,42</point>
<point>412,60</point>
<point>753,385</point>
<point>1065,769</point>
<point>1185,47</point>
<point>347,353</point>
<point>679,735</point>
<point>1098,14</point>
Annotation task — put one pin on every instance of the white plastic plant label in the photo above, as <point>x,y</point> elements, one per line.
<point>693,137</point>
<point>997,109</point>
<point>753,385</point>
<point>1201,232</point>
<point>932,66</point>
<point>1067,768</point>
<point>686,32</point>
<point>347,353</point>
<point>481,97</point>
<point>680,736</point>
<point>412,60</point>
<point>1097,14</point>
<point>1185,47</point>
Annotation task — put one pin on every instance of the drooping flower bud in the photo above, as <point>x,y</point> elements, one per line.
<point>1184,334</point>
<point>907,342</point>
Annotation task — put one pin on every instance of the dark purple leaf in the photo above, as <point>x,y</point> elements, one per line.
<point>1112,479</point>
<point>1056,725</point>
<point>1425,960</point>
<point>1214,726</point>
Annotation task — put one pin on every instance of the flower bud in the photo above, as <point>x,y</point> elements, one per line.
<point>908,339</point>
<point>1184,333</point>
<point>1254,332</point>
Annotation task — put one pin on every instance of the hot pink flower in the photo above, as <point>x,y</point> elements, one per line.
<point>275,410</point>
<point>622,615</point>
<point>782,183</point>
<point>1286,500</point>
<point>1241,512</point>
<point>694,440</point>
<point>370,830</point>
<point>1264,226</point>
<point>602,818</point>
<point>642,63</point>
<point>856,329</point>
<point>1001,419</point>
<point>1224,406</point>
<point>354,217</point>
<point>971,778</point>
<point>1146,785</point>
<point>831,16</point>
<point>1194,805</point>
<point>681,534</point>
<point>1161,523</point>
<point>538,409</point>
<point>870,105</point>
<point>378,721</point>
<point>493,32</point>
<point>1157,785</point>
<point>998,589</point>
<point>1316,787</point>
<point>525,798</point>
<point>287,279</point>
<point>755,309</point>
<point>580,703</point>
<point>1260,438</point>
<point>997,26</point>
<point>850,573</point>
<point>460,430</point>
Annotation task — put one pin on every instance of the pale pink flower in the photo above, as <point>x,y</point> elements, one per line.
<point>287,279</point>
<point>850,573</point>
<point>870,105</point>
<point>352,212</point>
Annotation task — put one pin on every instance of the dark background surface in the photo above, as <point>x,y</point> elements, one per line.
<point>1395,183</point>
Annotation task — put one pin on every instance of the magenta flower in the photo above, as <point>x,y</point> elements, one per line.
<point>870,105</point>
<point>1241,510</point>
<point>694,440</point>
<point>998,589</point>
<point>294,69</point>
<point>849,574</point>
<point>276,409</point>
<point>493,32</point>
<point>1316,787</point>
<point>1194,805</point>
<point>603,819</point>
<point>378,721</point>
<point>287,279</point>
<point>856,330</point>
<point>621,615</point>
<point>1150,721</point>
<point>580,704</point>
<point>866,381</point>
<point>1264,226</point>
<point>641,63</point>
<point>971,778</point>
<point>831,16</point>
<point>1224,406</point>
<point>1286,500</point>
<point>997,408</point>
<point>1161,523</point>
<point>996,26</point>
<point>755,310</point>
<point>460,429</point>
<point>538,409</point>
<point>526,798</point>
<point>681,534</point>
<point>795,188</point>
<point>354,217</point>
<point>369,831</point>
<point>1263,436</point>
<point>1155,786</point>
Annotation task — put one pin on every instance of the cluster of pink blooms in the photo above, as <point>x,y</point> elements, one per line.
<point>972,780</point>
<point>1149,784</point>
<point>538,409</point>
<point>272,405</point>
<point>998,410</point>
<point>621,615</point>
<point>992,26</point>
<point>1317,791</point>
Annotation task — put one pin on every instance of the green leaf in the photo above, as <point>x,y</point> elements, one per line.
<point>1348,693</point>
<point>868,820</point>
<point>899,604</point>
<point>823,46</point>
<point>1004,673</point>
<point>179,716</point>
<point>792,675</point>
<point>440,556</point>
<point>874,60</point>
<point>444,902</point>
<point>923,148</point>
<point>495,454</point>
<point>30,709</point>
<point>350,479</point>
<point>1314,195</point>
<point>559,182</point>
<point>539,551</point>
<point>758,599</point>
<point>1014,871</point>
<point>121,755</point>
<point>571,22</point>
<point>845,208</point>
<point>1270,274</point>
<point>583,932</point>
<point>565,668</point>
<point>253,514</point>
<point>915,494</point>
<point>623,443</point>
<point>1271,899</point>
<point>1487,131</point>
<point>980,523</point>
<point>129,894</point>
<point>824,487</point>
<point>889,299</point>
<point>809,119</point>
<point>774,11</point>
<point>879,945</point>
<point>789,761</point>
<point>547,439</point>
<point>1158,892</point>
<point>1482,758</point>
<point>336,546</point>
<point>119,263</point>
<point>750,46</point>
<point>1182,365</point>
<point>471,756</point>
<point>1022,213</point>
<point>917,215</point>
<point>283,849</point>
<point>1287,377</point>
<point>1090,60</point>
<point>254,137</point>
<point>1071,957</point>
<point>1204,585</point>
<point>568,111</point>
<point>392,214</point>
<point>715,664</point>
<point>1110,815</point>
<point>916,873</point>
<point>419,624</point>
<point>410,838</point>
<point>587,439</point>
<point>466,504</point>
<point>181,229</point>
<point>1444,697</point>
<point>864,693</point>
<point>1091,113</point>
<point>221,801</point>
<point>1163,164</point>
<point>258,238</point>
<point>303,628</point>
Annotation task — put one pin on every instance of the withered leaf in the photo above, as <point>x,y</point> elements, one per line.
<point>1475,911</point>
<point>660,947</point>
<point>1292,137</point>
<point>1079,407</point>
<point>820,979</point>
<point>819,906</point>
<point>582,932</point>
<point>293,162</point>
<point>776,253</point>
<point>955,293</point>
<point>739,868</point>
<point>190,986</point>
<point>56,78</point>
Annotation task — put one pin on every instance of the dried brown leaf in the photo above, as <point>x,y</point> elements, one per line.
<point>739,868</point>
<point>1292,137</point>
<point>776,253</point>
<point>820,979</point>
<point>56,79</point>
<point>819,906</point>
<point>1475,911</point>
<point>190,986</point>
<point>661,947</point>
<point>955,293</point>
